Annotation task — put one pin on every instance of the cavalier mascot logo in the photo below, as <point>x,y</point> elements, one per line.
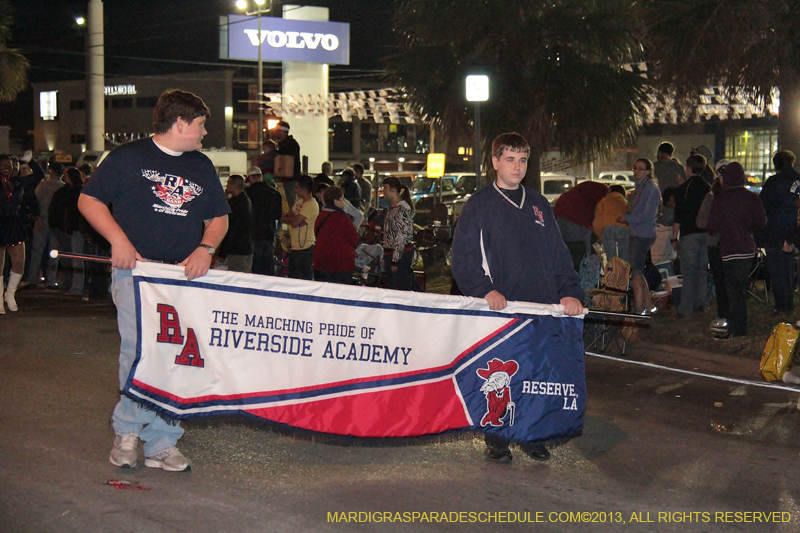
<point>497,392</point>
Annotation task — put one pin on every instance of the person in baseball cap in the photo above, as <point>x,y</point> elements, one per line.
<point>719,168</point>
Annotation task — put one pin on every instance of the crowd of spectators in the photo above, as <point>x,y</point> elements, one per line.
<point>315,237</point>
<point>717,227</point>
<point>719,230</point>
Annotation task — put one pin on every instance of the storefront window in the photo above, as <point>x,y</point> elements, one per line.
<point>400,138</point>
<point>241,96</point>
<point>392,138</point>
<point>340,137</point>
<point>754,149</point>
<point>370,139</point>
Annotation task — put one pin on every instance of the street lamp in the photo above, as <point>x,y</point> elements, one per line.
<point>261,6</point>
<point>477,91</point>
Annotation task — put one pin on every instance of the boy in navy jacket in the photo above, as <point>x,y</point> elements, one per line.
<point>508,248</point>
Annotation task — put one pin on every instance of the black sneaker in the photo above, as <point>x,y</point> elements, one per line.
<point>498,455</point>
<point>537,452</point>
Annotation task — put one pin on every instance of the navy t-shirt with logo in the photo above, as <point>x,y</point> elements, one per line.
<point>159,200</point>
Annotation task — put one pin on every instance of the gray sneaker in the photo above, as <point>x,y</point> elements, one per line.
<point>170,460</point>
<point>125,452</point>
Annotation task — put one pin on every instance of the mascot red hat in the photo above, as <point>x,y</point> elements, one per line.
<point>496,365</point>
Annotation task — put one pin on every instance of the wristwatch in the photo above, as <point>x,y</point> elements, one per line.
<point>208,247</point>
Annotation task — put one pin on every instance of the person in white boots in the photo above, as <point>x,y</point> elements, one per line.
<point>12,230</point>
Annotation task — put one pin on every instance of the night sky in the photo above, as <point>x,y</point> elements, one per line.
<point>182,35</point>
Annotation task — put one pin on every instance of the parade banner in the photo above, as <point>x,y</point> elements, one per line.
<point>354,361</point>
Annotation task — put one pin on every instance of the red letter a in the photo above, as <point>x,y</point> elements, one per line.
<point>169,321</point>
<point>190,355</point>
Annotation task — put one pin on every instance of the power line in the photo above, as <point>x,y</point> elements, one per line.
<point>232,64</point>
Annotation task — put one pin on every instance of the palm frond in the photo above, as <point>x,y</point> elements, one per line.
<point>13,73</point>
<point>554,66</point>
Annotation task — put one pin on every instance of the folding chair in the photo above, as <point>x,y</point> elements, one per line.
<point>611,326</point>
<point>612,292</point>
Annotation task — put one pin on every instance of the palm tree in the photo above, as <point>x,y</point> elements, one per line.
<point>750,46</point>
<point>13,66</point>
<point>555,70</point>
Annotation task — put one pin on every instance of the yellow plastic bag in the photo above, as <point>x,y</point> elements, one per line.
<point>779,352</point>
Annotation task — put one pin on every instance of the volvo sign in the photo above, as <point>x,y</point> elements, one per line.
<point>286,40</point>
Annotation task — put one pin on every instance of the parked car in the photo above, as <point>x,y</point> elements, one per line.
<point>617,177</point>
<point>425,192</point>
<point>466,182</point>
<point>406,178</point>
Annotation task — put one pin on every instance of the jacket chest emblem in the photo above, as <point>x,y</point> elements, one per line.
<point>539,216</point>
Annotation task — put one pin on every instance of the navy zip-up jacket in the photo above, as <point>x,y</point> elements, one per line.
<point>778,196</point>
<point>518,252</point>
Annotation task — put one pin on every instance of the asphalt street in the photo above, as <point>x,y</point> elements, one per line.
<point>661,451</point>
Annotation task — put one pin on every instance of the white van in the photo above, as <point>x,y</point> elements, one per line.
<point>554,185</point>
<point>228,162</point>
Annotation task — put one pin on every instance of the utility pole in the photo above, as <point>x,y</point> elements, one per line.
<point>95,78</point>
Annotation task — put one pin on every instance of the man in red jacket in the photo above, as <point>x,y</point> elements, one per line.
<point>574,211</point>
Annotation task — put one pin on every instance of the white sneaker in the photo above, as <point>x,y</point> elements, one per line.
<point>170,460</point>
<point>793,379</point>
<point>125,452</point>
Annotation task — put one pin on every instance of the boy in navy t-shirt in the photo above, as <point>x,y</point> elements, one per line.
<point>169,207</point>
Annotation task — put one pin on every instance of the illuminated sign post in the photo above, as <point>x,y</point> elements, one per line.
<point>477,91</point>
<point>435,165</point>
<point>435,169</point>
<point>306,42</point>
<point>287,40</point>
<point>48,105</point>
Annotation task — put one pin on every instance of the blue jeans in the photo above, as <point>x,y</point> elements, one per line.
<point>637,253</point>
<point>400,280</point>
<point>129,417</point>
<point>301,264</point>
<point>694,267</point>
<point>43,242</point>
<point>615,241</point>
<point>74,274</point>
<point>263,257</point>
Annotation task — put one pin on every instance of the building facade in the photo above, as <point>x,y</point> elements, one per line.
<point>60,109</point>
